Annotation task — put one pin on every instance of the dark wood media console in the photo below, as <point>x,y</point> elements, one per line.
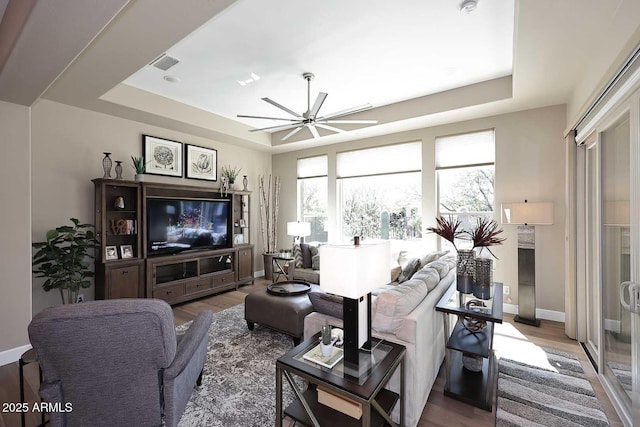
<point>131,272</point>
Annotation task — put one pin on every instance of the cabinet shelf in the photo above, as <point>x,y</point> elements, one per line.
<point>478,343</point>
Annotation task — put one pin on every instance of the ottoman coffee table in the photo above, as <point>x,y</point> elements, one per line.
<point>282,311</point>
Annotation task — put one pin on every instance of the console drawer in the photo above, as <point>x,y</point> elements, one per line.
<point>198,286</point>
<point>169,293</point>
<point>223,279</point>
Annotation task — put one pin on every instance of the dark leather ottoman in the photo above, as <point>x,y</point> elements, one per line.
<point>281,313</point>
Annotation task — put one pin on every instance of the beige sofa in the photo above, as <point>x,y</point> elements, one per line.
<point>405,314</point>
<point>305,274</point>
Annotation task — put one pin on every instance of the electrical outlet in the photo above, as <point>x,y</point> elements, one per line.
<point>506,290</point>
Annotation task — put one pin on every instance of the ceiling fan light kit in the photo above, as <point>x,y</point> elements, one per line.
<point>309,119</point>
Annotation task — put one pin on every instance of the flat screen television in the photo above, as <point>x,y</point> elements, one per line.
<point>178,225</point>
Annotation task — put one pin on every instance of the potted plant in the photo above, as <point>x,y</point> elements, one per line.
<point>139,166</point>
<point>483,235</point>
<point>268,198</point>
<point>230,174</point>
<point>63,259</point>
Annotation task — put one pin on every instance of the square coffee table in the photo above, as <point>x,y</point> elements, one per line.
<point>367,388</point>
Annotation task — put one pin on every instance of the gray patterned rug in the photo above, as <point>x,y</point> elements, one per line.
<point>238,387</point>
<point>558,395</point>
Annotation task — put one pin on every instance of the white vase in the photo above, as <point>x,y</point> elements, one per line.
<point>139,177</point>
<point>325,349</point>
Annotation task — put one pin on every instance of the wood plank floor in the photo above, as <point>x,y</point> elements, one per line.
<point>439,411</point>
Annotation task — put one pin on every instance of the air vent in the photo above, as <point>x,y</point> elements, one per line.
<point>164,62</point>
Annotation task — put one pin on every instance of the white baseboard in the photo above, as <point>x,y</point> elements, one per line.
<point>612,325</point>
<point>13,354</point>
<point>259,273</point>
<point>556,316</point>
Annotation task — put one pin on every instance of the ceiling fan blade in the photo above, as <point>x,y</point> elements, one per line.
<point>293,132</point>
<point>314,131</point>
<point>317,105</point>
<point>362,122</point>
<point>264,117</point>
<point>282,107</point>
<point>278,128</point>
<point>347,111</point>
<point>331,128</point>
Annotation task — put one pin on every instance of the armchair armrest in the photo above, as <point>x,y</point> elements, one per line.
<point>189,343</point>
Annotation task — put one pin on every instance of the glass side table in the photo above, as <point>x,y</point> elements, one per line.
<point>471,337</point>
<point>367,389</point>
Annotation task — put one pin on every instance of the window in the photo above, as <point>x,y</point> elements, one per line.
<point>380,192</point>
<point>466,175</point>
<point>312,195</point>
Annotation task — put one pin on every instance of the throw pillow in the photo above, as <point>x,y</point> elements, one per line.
<point>325,303</point>
<point>409,269</point>
<point>429,276</point>
<point>315,258</point>
<point>395,273</point>
<point>306,255</point>
<point>297,255</point>
<point>430,257</point>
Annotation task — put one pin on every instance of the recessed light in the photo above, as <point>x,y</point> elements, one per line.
<point>172,79</point>
<point>468,6</point>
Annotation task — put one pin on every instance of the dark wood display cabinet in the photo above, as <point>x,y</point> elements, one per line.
<point>119,266</point>
<point>125,269</point>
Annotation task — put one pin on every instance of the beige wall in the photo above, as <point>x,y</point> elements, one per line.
<point>67,148</point>
<point>15,262</point>
<point>529,165</point>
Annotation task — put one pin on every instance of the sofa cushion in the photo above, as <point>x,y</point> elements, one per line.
<point>325,303</point>
<point>442,265</point>
<point>430,257</point>
<point>429,276</point>
<point>391,306</point>
<point>306,255</point>
<point>297,255</point>
<point>315,257</point>
<point>409,269</point>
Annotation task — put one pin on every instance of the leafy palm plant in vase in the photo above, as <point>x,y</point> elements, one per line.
<point>483,235</point>
<point>230,174</point>
<point>139,167</point>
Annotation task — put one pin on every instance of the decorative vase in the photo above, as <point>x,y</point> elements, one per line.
<point>139,177</point>
<point>245,182</point>
<point>482,287</point>
<point>231,185</point>
<point>118,169</point>
<point>118,204</point>
<point>325,349</point>
<point>106,165</point>
<point>465,271</point>
<point>471,362</point>
<point>268,265</point>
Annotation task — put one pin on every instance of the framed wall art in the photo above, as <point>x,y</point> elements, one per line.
<point>162,156</point>
<point>201,163</point>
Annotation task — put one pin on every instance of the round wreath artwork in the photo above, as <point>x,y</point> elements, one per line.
<point>470,323</point>
<point>164,156</point>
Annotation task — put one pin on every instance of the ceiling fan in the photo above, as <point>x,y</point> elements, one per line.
<point>310,119</point>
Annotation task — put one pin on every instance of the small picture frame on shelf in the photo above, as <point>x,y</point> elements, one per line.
<point>110,252</point>
<point>238,239</point>
<point>242,223</point>
<point>126,251</point>
<point>201,163</point>
<point>162,156</point>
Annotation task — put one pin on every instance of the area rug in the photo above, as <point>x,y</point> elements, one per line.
<point>238,387</point>
<point>555,395</point>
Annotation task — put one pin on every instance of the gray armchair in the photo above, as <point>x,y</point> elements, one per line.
<point>118,362</point>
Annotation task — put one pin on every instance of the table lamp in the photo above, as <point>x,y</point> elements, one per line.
<point>298,230</point>
<point>353,271</point>
<point>526,215</point>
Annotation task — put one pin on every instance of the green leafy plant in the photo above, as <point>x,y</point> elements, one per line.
<point>63,259</point>
<point>230,173</point>
<point>326,334</point>
<point>138,165</point>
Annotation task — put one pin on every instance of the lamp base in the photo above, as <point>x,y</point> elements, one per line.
<point>532,322</point>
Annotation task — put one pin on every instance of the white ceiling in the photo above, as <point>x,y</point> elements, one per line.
<point>361,51</point>
<point>536,53</point>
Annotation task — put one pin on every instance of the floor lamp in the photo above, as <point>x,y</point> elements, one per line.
<point>526,215</point>
<point>353,271</point>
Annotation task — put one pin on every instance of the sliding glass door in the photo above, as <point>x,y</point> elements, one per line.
<point>611,268</point>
